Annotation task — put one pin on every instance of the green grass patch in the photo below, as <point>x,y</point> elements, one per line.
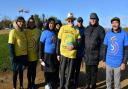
<point>4,53</point>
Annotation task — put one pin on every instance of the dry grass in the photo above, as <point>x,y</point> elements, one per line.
<point>6,79</point>
<point>4,32</point>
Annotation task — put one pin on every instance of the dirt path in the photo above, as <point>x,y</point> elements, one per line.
<point>4,32</point>
<point>6,79</point>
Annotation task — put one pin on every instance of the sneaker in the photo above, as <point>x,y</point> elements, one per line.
<point>48,86</point>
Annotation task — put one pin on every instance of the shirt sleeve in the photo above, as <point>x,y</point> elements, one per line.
<point>126,39</point>
<point>11,38</point>
<point>60,33</point>
<point>106,40</point>
<point>43,37</point>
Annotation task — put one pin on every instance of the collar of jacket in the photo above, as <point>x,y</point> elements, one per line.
<point>80,27</point>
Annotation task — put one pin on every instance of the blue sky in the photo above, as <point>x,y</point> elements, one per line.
<point>106,9</point>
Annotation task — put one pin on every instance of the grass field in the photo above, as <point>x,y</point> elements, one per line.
<point>4,52</point>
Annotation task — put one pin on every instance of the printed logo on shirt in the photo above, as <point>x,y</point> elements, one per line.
<point>69,40</point>
<point>32,43</point>
<point>114,45</point>
<point>54,39</point>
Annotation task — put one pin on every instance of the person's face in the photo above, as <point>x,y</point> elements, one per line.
<point>115,25</point>
<point>31,23</point>
<point>51,25</point>
<point>20,23</point>
<point>79,24</point>
<point>93,21</point>
<point>57,26</point>
<point>70,22</point>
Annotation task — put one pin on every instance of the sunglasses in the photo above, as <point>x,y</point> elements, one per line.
<point>70,21</point>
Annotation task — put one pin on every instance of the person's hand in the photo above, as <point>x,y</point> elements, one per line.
<point>104,65</point>
<point>42,62</point>
<point>122,67</point>
<point>70,47</point>
<point>58,57</point>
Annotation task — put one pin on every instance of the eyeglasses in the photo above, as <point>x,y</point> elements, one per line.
<point>70,21</point>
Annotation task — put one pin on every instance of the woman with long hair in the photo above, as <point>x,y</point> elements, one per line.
<point>18,50</point>
<point>33,35</point>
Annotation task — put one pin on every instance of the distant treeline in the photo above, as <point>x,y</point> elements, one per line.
<point>6,23</point>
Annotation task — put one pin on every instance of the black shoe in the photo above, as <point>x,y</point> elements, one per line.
<point>33,86</point>
<point>29,86</point>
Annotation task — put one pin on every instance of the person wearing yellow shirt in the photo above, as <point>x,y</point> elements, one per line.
<point>68,40</point>
<point>33,35</point>
<point>18,50</point>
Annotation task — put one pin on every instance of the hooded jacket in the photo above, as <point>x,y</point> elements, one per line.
<point>94,37</point>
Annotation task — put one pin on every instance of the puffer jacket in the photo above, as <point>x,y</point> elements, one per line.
<point>94,37</point>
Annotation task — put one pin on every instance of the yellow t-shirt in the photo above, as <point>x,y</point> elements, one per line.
<point>18,38</point>
<point>68,36</point>
<point>33,43</point>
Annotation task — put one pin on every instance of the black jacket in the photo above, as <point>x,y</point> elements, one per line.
<point>94,37</point>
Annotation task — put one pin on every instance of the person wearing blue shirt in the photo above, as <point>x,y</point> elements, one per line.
<point>115,53</point>
<point>47,54</point>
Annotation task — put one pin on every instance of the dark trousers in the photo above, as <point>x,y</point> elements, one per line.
<point>51,70</point>
<point>91,75</point>
<point>67,67</point>
<point>31,74</point>
<point>18,64</point>
<point>77,70</point>
<point>50,78</point>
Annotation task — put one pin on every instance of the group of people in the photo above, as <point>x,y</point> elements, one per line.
<point>61,49</point>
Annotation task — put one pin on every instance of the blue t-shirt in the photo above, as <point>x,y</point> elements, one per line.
<point>49,39</point>
<point>115,47</point>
